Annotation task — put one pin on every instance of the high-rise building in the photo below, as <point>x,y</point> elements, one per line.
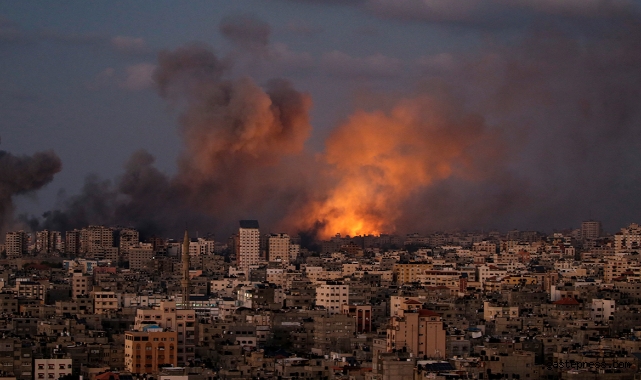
<point>95,239</point>
<point>248,245</point>
<point>591,229</point>
<point>48,241</point>
<point>16,244</point>
<point>278,248</point>
<point>72,242</point>
<point>184,282</point>
<point>129,237</point>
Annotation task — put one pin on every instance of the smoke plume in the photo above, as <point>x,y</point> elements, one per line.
<point>21,175</point>
<point>528,134</point>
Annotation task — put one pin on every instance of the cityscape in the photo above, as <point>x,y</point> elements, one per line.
<point>449,305</point>
<point>320,189</point>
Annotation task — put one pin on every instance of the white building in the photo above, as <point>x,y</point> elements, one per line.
<point>248,245</point>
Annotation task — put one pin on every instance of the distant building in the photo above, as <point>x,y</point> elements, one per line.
<point>419,332</point>
<point>49,241</point>
<point>51,368</point>
<point>591,230</point>
<point>248,244</point>
<point>16,244</point>
<point>151,348</point>
<point>279,248</point>
<point>332,295</point>
<point>129,238</point>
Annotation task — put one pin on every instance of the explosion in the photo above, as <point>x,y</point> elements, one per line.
<point>377,161</point>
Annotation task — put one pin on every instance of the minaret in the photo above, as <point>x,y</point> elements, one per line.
<point>184,283</point>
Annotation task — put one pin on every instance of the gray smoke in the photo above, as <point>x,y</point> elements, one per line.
<point>22,175</point>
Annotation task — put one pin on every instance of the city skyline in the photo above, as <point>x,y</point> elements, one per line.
<point>357,117</point>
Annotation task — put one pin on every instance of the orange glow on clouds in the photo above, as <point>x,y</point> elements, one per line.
<point>378,160</point>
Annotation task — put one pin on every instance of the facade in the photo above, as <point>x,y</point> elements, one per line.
<point>49,241</point>
<point>80,285</point>
<point>149,349</point>
<point>129,238</point>
<point>332,295</point>
<point>278,248</point>
<point>248,245</point>
<point>72,242</point>
<point>140,256</point>
<point>16,244</point>
<point>362,315</point>
<point>95,239</point>
<point>51,368</point>
<point>591,230</point>
<point>419,332</point>
<point>168,317</point>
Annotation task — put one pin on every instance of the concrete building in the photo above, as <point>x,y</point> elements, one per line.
<point>16,244</point>
<point>362,315</point>
<point>146,350</point>
<point>278,248</point>
<point>419,332</point>
<point>140,256</point>
<point>332,295</point>
<point>95,239</point>
<point>128,238</point>
<point>591,229</point>
<point>51,368</point>
<point>72,242</point>
<point>248,245</point>
<point>602,310</point>
<point>49,241</point>
<point>182,321</point>
<point>81,285</point>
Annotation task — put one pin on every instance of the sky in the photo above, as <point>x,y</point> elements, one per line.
<point>329,116</point>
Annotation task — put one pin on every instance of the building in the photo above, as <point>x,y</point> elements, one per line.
<point>182,321</point>
<point>16,244</point>
<point>147,350</point>
<point>95,239</point>
<point>72,242</point>
<point>332,295</point>
<point>279,248</point>
<point>140,256</point>
<point>419,332</point>
<point>51,368</point>
<point>248,245</point>
<point>48,241</point>
<point>362,315</point>
<point>129,238</point>
<point>591,230</point>
<point>81,285</point>
<point>602,310</point>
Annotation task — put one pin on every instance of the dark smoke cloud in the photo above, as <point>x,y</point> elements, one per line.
<point>21,175</point>
<point>243,155</point>
<point>246,31</point>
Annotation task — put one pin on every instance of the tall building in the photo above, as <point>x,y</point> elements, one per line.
<point>184,282</point>
<point>16,244</point>
<point>129,238</point>
<point>332,295</point>
<point>591,230</point>
<point>48,241</point>
<point>278,248</point>
<point>248,245</point>
<point>72,242</point>
<point>95,239</point>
